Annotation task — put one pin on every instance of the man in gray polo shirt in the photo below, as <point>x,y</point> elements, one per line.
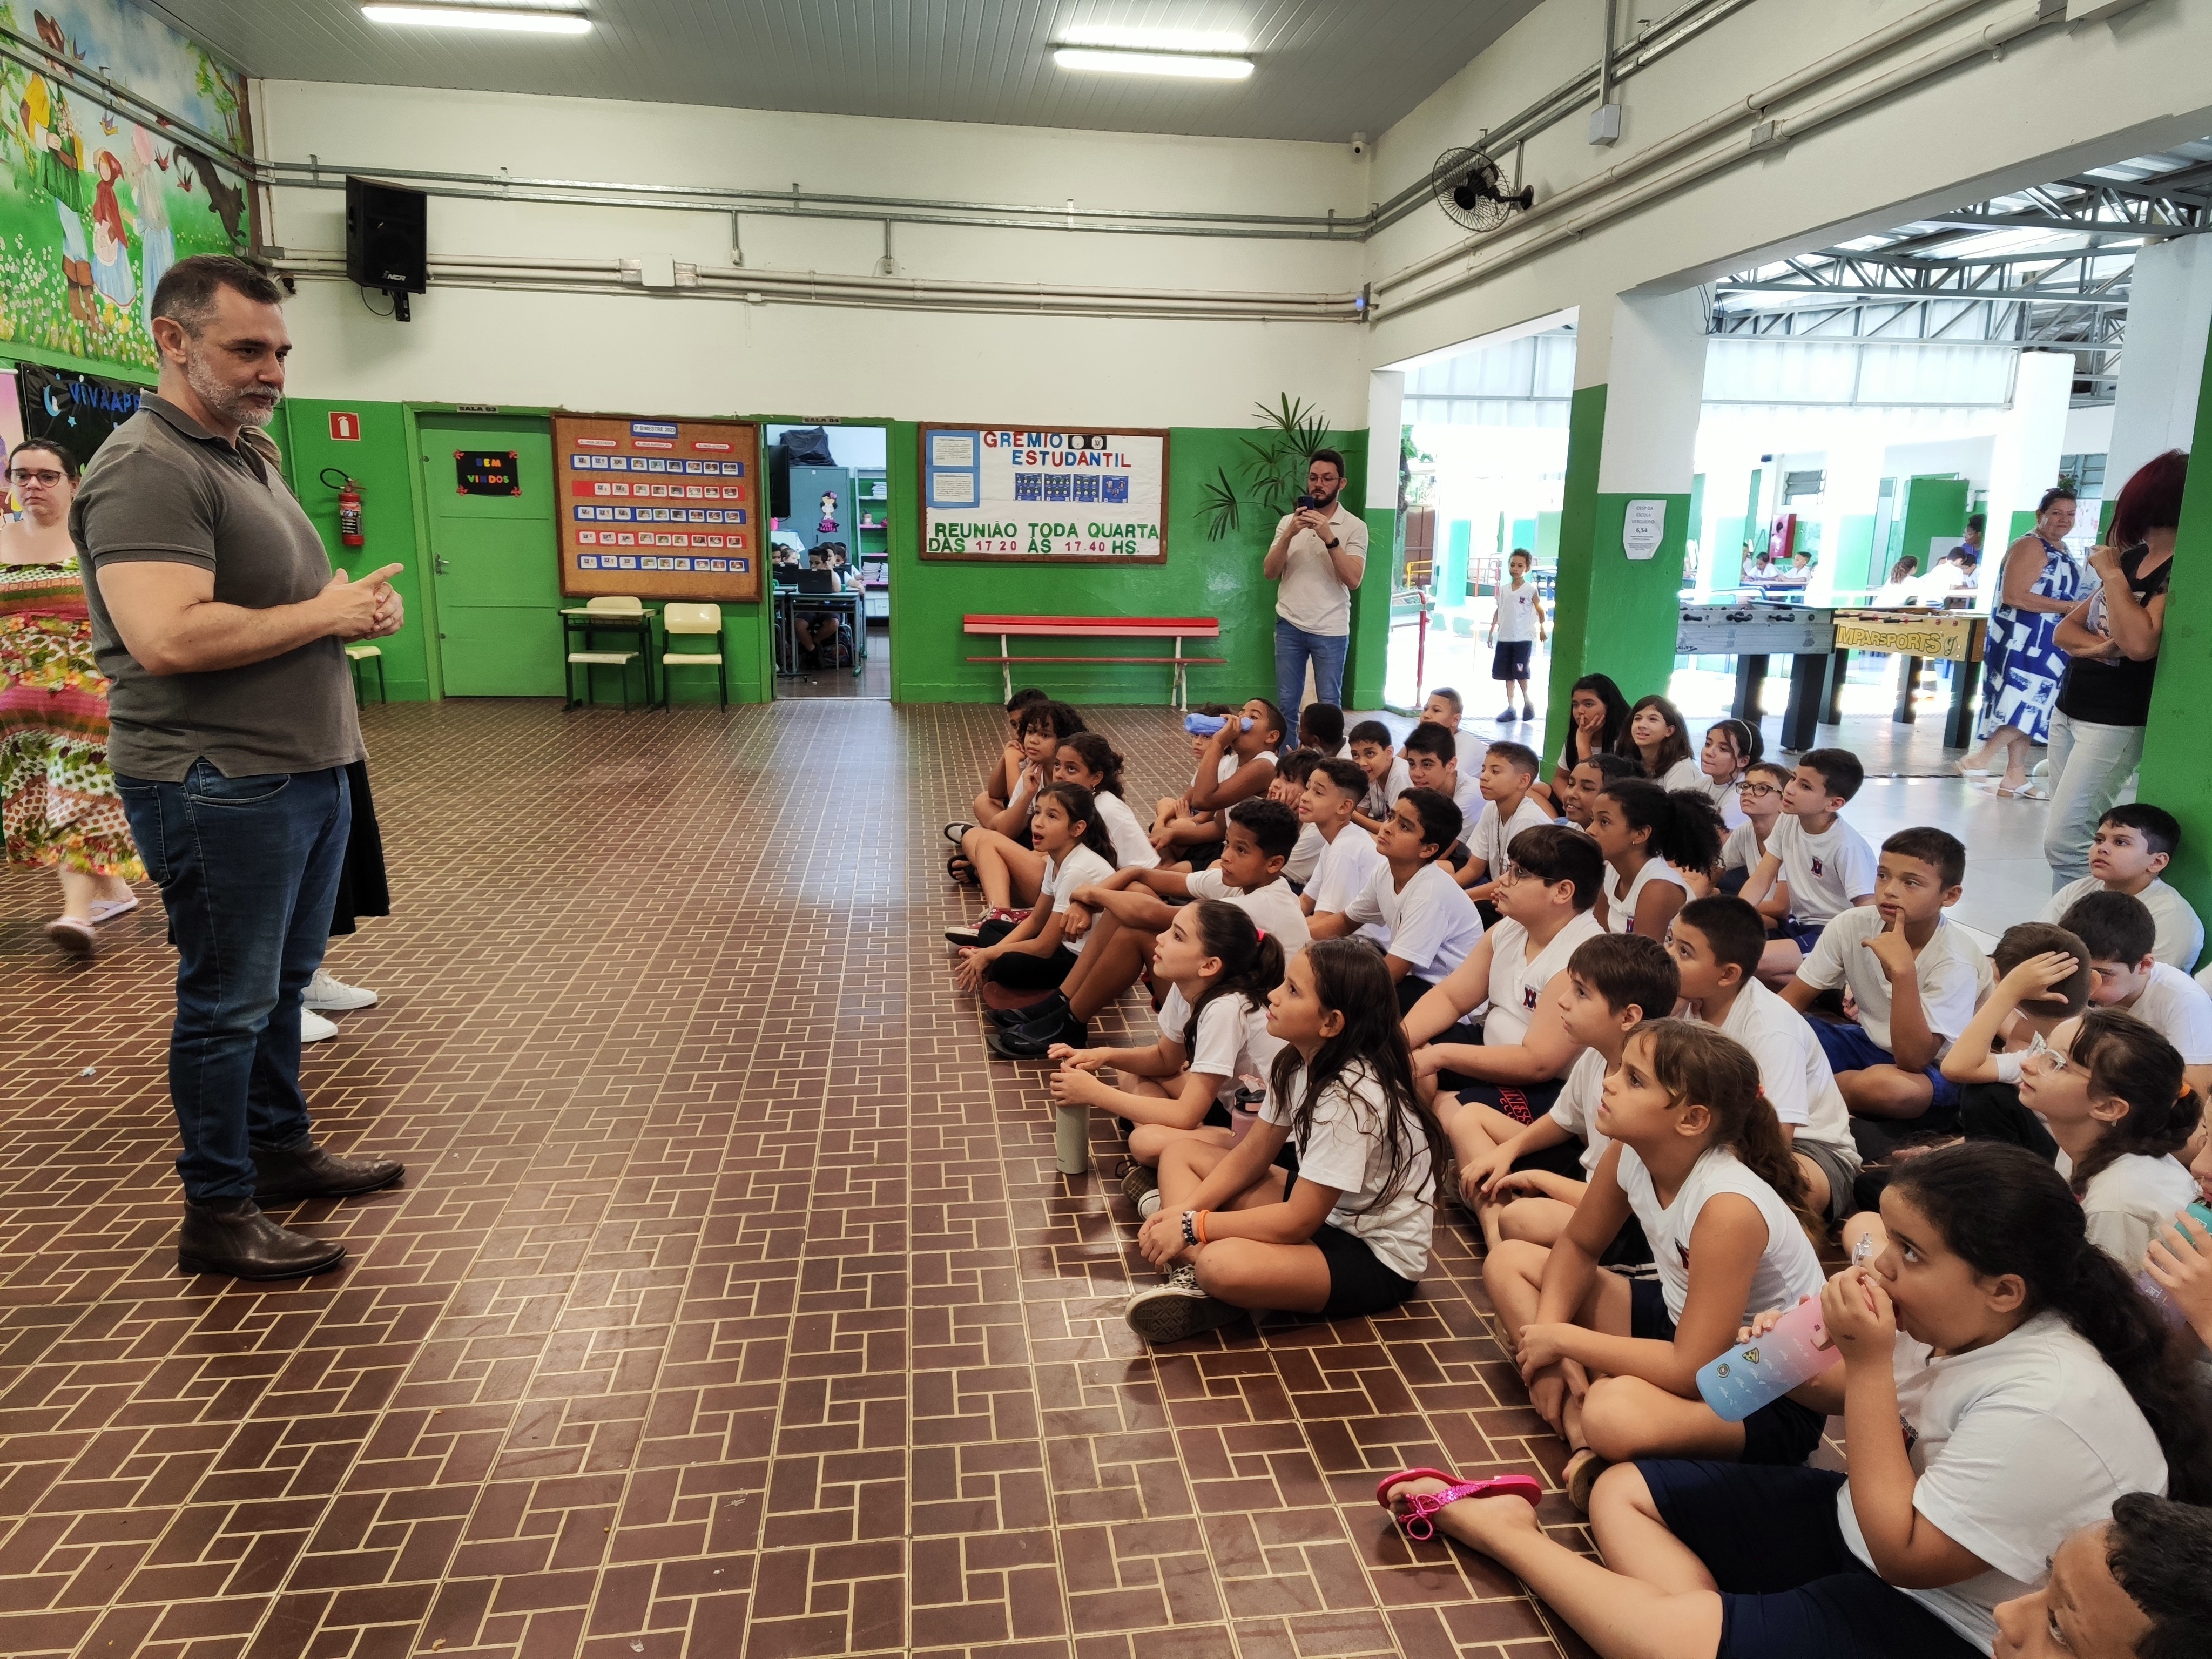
<point>218,619</point>
<point>1317,557</point>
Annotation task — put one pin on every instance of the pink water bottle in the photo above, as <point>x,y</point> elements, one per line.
<point>1760,1371</point>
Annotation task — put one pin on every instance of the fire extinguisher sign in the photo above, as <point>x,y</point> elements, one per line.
<point>345,426</point>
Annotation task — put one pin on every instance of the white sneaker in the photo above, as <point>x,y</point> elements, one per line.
<point>1148,1203</point>
<point>1170,1311</point>
<point>334,996</point>
<point>314,1028</point>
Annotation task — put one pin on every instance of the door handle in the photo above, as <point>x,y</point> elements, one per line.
<point>439,564</point>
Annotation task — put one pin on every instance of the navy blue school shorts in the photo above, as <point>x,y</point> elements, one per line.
<point>1849,1048</point>
<point>1509,659</point>
<point>1789,1584</point>
<point>1781,1433</point>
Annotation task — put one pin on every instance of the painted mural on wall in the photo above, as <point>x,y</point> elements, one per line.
<point>95,206</point>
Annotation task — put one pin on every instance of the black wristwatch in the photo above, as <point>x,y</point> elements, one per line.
<point>1332,546</point>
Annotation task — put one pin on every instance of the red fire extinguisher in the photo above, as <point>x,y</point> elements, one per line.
<point>349,532</point>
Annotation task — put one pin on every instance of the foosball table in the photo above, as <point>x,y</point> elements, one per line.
<point>1752,633</point>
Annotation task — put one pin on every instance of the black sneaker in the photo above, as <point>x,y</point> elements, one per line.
<point>1176,1309</point>
<point>1053,1008</point>
<point>1033,1043</point>
<point>1137,1181</point>
<point>964,935</point>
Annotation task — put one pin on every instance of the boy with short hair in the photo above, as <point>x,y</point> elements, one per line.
<point>1445,707</point>
<point>1615,981</point>
<point>1506,786</point>
<point>1289,787</point>
<point>1717,943</point>
<point>1348,858</point>
<point>1321,728</point>
<point>1916,978</point>
<point>1815,865</point>
<point>1126,912</point>
<point>1432,762</point>
<point>1376,752</point>
<point>2118,931</point>
<point>1431,924</point>
<point>2044,980</point>
<point>2134,845</point>
<point>1235,764</point>
<point>1760,799</point>
<point>1516,623</point>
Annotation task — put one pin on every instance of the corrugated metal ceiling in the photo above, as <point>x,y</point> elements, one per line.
<point>1325,69</point>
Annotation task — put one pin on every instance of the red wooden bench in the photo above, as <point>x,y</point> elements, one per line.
<point>1176,629</point>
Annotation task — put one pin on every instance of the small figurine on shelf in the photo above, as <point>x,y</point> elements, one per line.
<point>828,525</point>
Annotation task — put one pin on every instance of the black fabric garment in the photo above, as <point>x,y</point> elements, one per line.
<point>362,888</point>
<point>2116,693</point>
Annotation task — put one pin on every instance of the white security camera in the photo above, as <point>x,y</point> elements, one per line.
<point>1359,146</point>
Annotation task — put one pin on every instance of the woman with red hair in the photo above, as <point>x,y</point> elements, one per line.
<point>2111,640</point>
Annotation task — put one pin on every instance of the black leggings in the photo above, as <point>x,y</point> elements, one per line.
<point>1019,972</point>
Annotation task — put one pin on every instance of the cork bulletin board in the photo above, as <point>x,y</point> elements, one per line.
<point>663,509</point>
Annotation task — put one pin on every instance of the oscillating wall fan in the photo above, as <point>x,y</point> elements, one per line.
<point>1469,186</point>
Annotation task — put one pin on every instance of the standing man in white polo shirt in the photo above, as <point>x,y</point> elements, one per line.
<point>1317,557</point>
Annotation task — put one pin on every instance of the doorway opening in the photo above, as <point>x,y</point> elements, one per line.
<point>829,559</point>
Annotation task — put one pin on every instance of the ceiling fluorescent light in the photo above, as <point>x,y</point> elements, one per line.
<point>1144,39</point>
<point>1184,64</point>
<point>481,17</point>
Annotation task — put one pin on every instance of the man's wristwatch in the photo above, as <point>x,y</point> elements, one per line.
<point>1332,546</point>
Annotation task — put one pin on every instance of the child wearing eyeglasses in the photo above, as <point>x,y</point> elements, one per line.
<point>1759,797</point>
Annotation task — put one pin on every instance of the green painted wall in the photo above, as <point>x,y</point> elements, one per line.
<point>1855,560</point>
<point>2174,774</point>
<point>1454,588</point>
<point>1932,507</point>
<point>1200,579</point>
<point>1612,614</point>
<point>1524,534</point>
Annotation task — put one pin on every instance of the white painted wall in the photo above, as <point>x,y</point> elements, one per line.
<point>674,353</point>
<point>2162,370</point>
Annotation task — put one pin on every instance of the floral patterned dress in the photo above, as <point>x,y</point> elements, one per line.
<point>2022,667</point>
<point>57,797</point>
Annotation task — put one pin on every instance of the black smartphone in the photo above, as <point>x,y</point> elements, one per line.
<point>1305,504</point>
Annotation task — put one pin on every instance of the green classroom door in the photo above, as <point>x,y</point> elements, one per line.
<point>494,559</point>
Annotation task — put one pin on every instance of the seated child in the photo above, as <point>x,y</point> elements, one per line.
<point>999,782</point>
<point>1321,728</point>
<point>2133,847</point>
<point>2119,933</point>
<point>1504,1072</point>
<point>2179,1260</point>
<point>1730,749</point>
<point>1815,867</point>
<point>1009,871</point>
<point>1649,836</point>
<point>1716,943</point>
<point>1130,907</point>
<point>1034,954</point>
<point>1045,724</point>
<point>2043,980</point>
<point>1523,1181</point>
<point>2005,1389</point>
<point>1346,1236</point>
<point>1431,925</point>
<point>1658,736</point>
<point>1506,788</point>
<point>1432,762</point>
<point>1234,764</point>
<point>1915,978</point>
<point>1290,788</point>
<point>1759,797</point>
<point>1581,784</point>
<point>1219,970</point>
<point>1333,794</point>
<point>1698,1159</point>
<point>1376,752</point>
<point>1445,707</point>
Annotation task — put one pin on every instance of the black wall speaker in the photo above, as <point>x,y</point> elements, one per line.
<point>386,239</point>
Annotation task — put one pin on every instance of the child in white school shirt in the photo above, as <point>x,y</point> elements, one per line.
<point>2119,933</point>
<point>1816,867</point>
<point>1348,858</point>
<point>2134,845</point>
<point>1431,923</point>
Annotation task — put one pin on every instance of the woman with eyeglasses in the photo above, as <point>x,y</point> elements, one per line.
<point>56,794</point>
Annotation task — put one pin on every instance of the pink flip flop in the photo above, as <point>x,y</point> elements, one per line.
<point>1414,1517</point>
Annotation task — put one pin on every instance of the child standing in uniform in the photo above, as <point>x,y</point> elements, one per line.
<point>1516,623</point>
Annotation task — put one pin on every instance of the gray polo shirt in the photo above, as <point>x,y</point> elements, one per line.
<point>163,489</point>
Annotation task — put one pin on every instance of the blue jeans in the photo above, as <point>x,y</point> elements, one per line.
<point>248,869</point>
<point>1294,649</point>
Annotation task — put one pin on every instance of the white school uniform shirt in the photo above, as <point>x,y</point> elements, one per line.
<point>1826,873</point>
<point>2180,938</point>
<point>1471,749</point>
<point>1381,797</point>
<point>2127,1201</point>
<point>1576,1108</point>
<point>1133,848</point>
<point>1466,795</point>
<point>2179,1009</point>
<point>1686,773</point>
<point>1082,867</point>
<point>1432,922</point>
<point>2015,1445</point>
<point>1231,761</point>
<point>1491,841</point>
<point>1741,850</point>
<point>1516,613</point>
<point>1300,866</point>
<point>1951,968</point>
<point>1344,866</point>
<point>1787,1267</point>
<point>1793,1068</point>
<point>1274,908</point>
<point>1518,980</point>
<point>1231,1041</point>
<point>1343,1147</point>
<point>1620,913</point>
<point>1727,799</point>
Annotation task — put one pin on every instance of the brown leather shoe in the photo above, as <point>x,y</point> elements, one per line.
<point>231,1236</point>
<point>286,1174</point>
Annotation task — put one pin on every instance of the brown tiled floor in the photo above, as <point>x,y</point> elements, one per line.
<point>733,1305</point>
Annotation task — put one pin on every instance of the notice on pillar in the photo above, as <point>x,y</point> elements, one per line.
<point>1643,527</point>
<point>659,508</point>
<point>1030,494</point>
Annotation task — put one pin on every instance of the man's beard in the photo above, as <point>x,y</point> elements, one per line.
<point>247,407</point>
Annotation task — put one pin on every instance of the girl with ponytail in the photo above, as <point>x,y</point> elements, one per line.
<point>1731,747</point>
<point>1698,1160</point>
<point>2111,1090</point>
<point>1651,837</point>
<point>1219,968</point>
<point>2004,1386</point>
